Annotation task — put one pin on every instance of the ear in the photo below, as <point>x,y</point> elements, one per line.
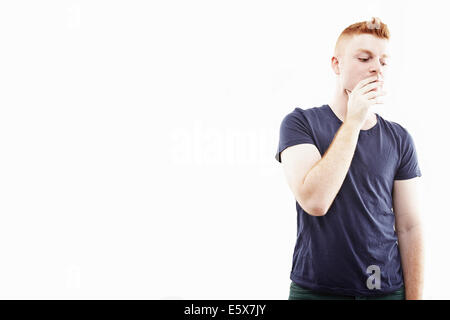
<point>335,65</point>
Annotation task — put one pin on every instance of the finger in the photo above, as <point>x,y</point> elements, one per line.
<point>378,100</point>
<point>371,86</point>
<point>365,81</point>
<point>374,94</point>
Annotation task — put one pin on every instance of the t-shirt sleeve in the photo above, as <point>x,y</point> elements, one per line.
<point>409,165</point>
<point>294,129</point>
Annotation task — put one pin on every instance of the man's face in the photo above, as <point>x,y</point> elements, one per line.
<point>357,64</point>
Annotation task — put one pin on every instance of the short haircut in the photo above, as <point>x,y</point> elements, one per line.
<point>374,27</point>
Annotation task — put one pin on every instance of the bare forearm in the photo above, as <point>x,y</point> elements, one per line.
<point>325,178</point>
<point>412,256</point>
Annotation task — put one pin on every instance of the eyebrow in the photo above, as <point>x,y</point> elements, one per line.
<point>370,52</point>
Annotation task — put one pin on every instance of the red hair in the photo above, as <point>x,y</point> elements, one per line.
<point>374,27</point>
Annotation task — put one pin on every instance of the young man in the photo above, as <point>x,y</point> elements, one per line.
<point>354,178</point>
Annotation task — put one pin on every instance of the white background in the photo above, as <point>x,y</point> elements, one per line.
<point>137,140</point>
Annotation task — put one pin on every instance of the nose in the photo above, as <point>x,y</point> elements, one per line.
<point>375,67</point>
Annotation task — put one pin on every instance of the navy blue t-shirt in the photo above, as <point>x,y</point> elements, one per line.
<point>356,239</point>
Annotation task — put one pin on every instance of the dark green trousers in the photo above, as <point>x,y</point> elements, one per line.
<point>297,292</point>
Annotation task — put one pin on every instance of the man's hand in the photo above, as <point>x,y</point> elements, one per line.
<point>363,96</point>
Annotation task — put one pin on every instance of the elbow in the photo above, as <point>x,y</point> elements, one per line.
<point>315,211</point>
<point>318,212</point>
<point>311,207</point>
<point>312,202</point>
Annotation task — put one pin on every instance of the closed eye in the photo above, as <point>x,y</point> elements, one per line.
<point>366,59</point>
